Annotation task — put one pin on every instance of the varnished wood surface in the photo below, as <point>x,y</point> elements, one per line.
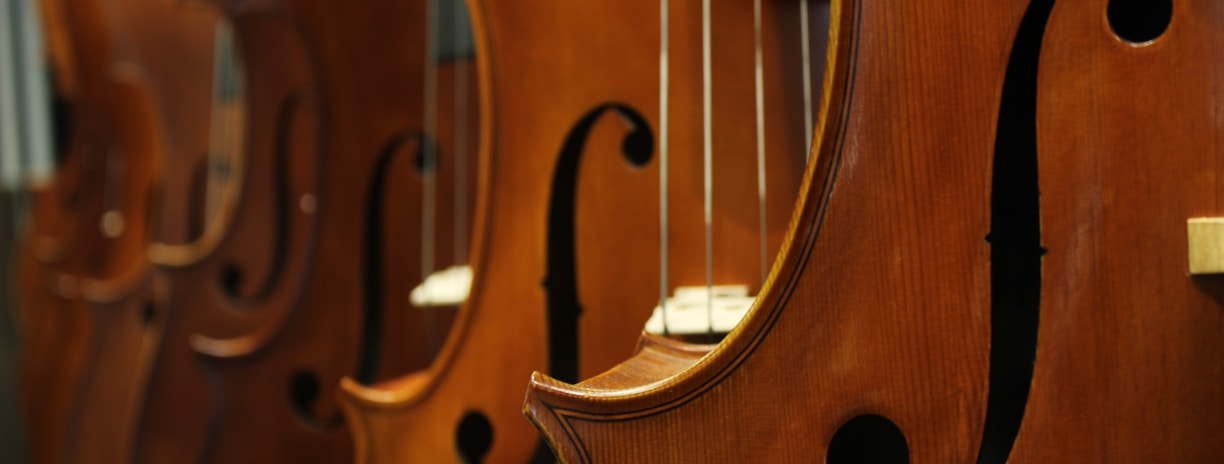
<point>233,290</point>
<point>1120,135</point>
<point>222,335</point>
<point>880,301</point>
<point>85,285</point>
<point>1127,364</point>
<point>334,111</point>
<point>503,330</point>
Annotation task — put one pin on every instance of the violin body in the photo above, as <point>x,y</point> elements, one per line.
<point>382,152</point>
<point>871,338</point>
<point>1098,346</point>
<point>566,250</point>
<point>985,257</point>
<point>87,283</point>
<point>236,277</point>
<point>51,331</point>
<point>1126,361</point>
<point>302,279</point>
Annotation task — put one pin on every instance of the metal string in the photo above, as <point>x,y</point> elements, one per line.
<point>805,30</point>
<point>663,160</point>
<point>707,158</point>
<point>428,153</point>
<point>461,146</point>
<point>760,132</point>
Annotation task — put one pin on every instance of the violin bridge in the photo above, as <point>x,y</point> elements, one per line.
<point>1205,245</point>
<point>448,287</point>
<point>699,310</point>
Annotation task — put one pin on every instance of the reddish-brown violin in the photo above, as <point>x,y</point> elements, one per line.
<point>871,339</point>
<point>989,260</point>
<point>88,283</point>
<point>567,248</point>
<point>301,275</point>
<point>236,257</point>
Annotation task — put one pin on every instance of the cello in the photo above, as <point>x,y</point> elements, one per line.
<point>562,182</point>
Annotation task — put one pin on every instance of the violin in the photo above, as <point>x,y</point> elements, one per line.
<point>52,235</point>
<point>235,257</point>
<point>871,339</point>
<point>1124,310</point>
<point>90,287</point>
<point>1078,330</point>
<point>403,118</point>
<point>293,282</point>
<point>569,240</point>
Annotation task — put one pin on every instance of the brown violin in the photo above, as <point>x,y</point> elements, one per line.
<point>235,253</point>
<point>75,373</point>
<point>1125,361</point>
<point>568,245</point>
<point>1003,278</point>
<point>295,280</point>
<point>870,342</point>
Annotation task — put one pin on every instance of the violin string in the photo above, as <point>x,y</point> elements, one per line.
<point>10,108</point>
<point>234,92</point>
<point>707,159</point>
<point>112,195</point>
<point>805,31</point>
<point>429,161</point>
<point>219,131</point>
<point>663,160</point>
<point>461,135</point>
<point>428,153</point>
<point>760,130</point>
<point>216,118</point>
<point>34,162</point>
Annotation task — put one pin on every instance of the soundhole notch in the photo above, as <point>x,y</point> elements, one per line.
<point>1139,21</point>
<point>473,437</point>
<point>868,438</point>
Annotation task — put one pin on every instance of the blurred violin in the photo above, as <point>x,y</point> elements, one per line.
<point>93,274</point>
<point>235,243</point>
<point>290,284</point>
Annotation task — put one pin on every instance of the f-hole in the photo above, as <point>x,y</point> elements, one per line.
<point>372,259</point>
<point>230,278</point>
<point>1015,239</point>
<point>561,281</point>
